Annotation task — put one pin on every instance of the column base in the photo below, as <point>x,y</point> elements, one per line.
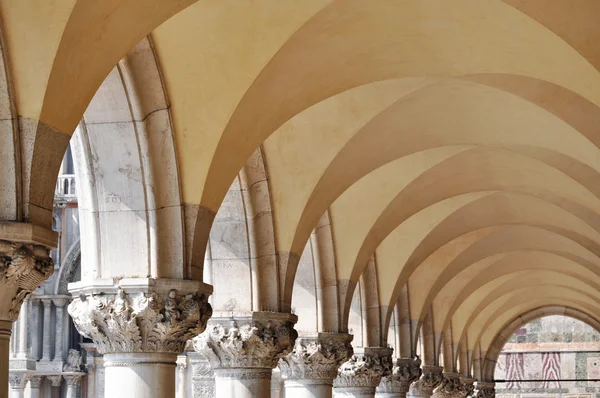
<point>140,375</point>
<point>308,388</point>
<point>243,382</point>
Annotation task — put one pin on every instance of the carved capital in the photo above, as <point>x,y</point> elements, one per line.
<point>151,321</point>
<point>18,380</point>
<point>365,369</point>
<point>317,358</point>
<point>258,340</point>
<point>405,371</point>
<point>450,387</point>
<point>431,378</point>
<point>73,379</point>
<point>23,268</point>
<point>56,380</point>
<point>485,390</point>
<point>36,381</point>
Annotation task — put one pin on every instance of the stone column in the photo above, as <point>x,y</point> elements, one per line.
<point>182,377</point>
<point>46,329</point>
<point>24,264</point>
<point>140,326</point>
<point>243,350</point>
<point>431,378</point>
<point>450,387</point>
<point>73,384</point>
<point>23,317</point>
<point>35,383</point>
<point>405,371</point>
<point>59,303</point>
<point>56,381</point>
<point>17,381</point>
<point>485,389</point>
<point>308,371</point>
<point>90,366</point>
<point>360,376</point>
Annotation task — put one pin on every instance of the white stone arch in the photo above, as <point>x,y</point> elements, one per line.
<point>128,182</point>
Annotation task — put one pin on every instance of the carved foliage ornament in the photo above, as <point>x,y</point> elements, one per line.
<point>363,371</point>
<point>252,345</point>
<point>317,358</point>
<point>450,387</point>
<point>23,267</point>
<point>485,392</point>
<point>145,323</point>
<point>431,378</point>
<point>404,372</point>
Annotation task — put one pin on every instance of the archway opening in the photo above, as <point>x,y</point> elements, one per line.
<point>552,356</point>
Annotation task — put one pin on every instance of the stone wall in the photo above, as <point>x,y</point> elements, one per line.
<point>553,349</point>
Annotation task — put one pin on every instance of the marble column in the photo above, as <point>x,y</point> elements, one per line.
<point>485,389</point>
<point>17,381</point>
<point>244,349</point>
<point>308,371</point>
<point>47,302</point>
<point>59,303</point>
<point>431,378</point>
<point>35,383</point>
<point>73,381</point>
<point>56,381</point>
<point>24,264</point>
<point>90,366</point>
<point>405,371</point>
<point>140,326</point>
<point>22,321</point>
<point>360,376</point>
<point>182,377</point>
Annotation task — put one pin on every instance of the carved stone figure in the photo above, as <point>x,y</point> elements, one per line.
<point>485,390</point>
<point>365,369</point>
<point>142,323</point>
<point>405,371</point>
<point>431,378</point>
<point>73,361</point>
<point>259,342</point>
<point>317,358</point>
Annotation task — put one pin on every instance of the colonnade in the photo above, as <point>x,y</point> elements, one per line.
<point>141,325</point>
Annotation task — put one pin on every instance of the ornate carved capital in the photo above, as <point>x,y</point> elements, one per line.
<point>431,378</point>
<point>450,387</point>
<point>18,380</point>
<point>23,267</point>
<point>258,340</point>
<point>485,390</point>
<point>36,381</point>
<point>317,358</point>
<point>467,387</point>
<point>404,372</point>
<point>365,369</point>
<point>55,380</point>
<point>151,321</point>
<point>73,379</point>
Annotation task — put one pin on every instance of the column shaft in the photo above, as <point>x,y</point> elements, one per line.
<point>35,383</point>
<point>5,331</point>
<point>72,384</point>
<point>58,347</point>
<point>139,375</point>
<point>46,331</point>
<point>308,388</point>
<point>243,383</point>
<point>182,378</point>
<point>23,317</point>
<point>354,392</point>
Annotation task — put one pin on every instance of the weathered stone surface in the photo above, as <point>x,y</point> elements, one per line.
<point>431,378</point>
<point>317,358</point>
<point>365,369</point>
<point>404,372</point>
<point>256,340</point>
<point>141,322</point>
